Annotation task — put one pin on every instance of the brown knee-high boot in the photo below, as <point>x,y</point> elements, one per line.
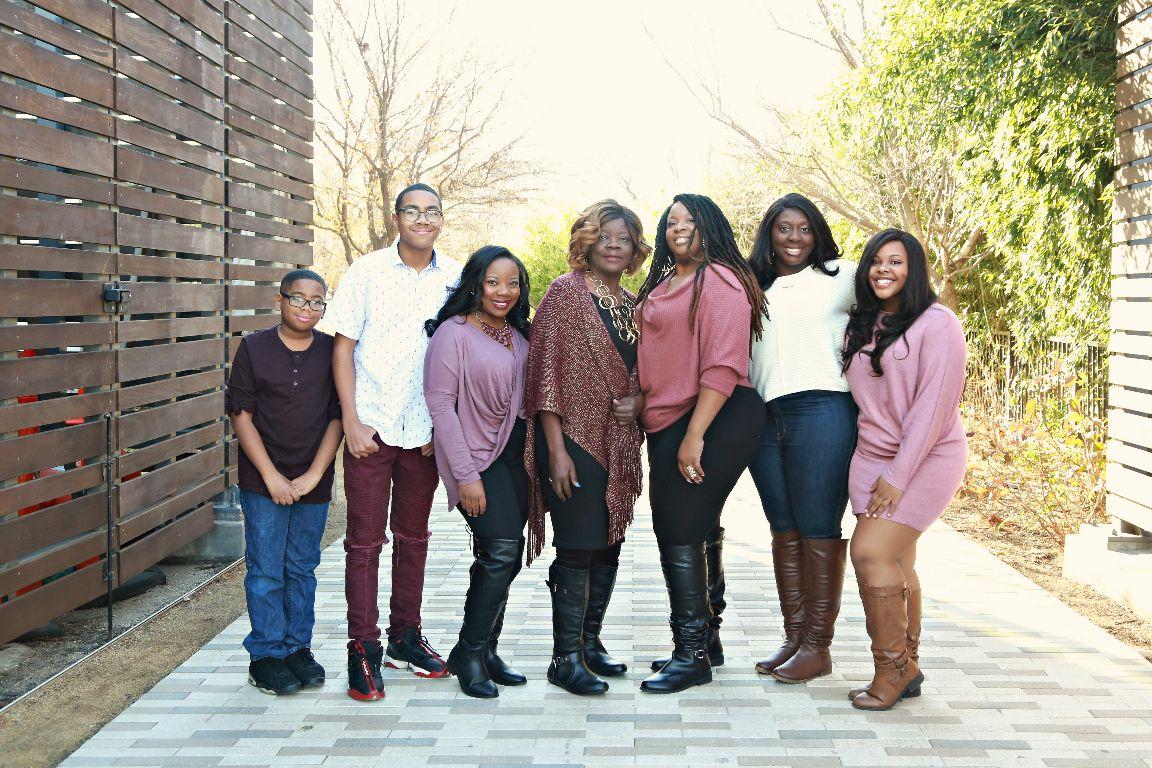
<point>788,566</point>
<point>915,609</point>
<point>824,582</point>
<point>897,674</point>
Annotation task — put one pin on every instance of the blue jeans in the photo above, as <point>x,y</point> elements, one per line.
<point>801,467</point>
<point>281,550</point>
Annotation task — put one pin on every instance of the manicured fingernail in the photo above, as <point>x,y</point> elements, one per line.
<point>577,485</point>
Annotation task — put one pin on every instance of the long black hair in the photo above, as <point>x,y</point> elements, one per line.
<point>465,298</point>
<point>718,245</point>
<point>916,296</point>
<point>824,250</point>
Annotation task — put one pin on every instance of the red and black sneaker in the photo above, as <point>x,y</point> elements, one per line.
<point>365,682</point>
<point>413,652</point>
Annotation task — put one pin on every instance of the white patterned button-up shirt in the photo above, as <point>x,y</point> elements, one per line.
<point>382,303</point>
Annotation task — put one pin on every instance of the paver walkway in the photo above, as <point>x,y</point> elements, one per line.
<point>1015,678</point>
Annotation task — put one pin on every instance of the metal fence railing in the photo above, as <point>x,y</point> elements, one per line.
<point>1009,380</point>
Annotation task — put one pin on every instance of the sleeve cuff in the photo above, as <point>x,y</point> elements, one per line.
<point>891,480</point>
<point>234,404</point>
<point>721,379</point>
<point>348,331</point>
<point>470,478</point>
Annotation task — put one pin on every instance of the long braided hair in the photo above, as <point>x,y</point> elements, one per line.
<point>718,246</point>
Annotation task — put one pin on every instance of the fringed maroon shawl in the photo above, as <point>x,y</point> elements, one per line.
<point>574,370</point>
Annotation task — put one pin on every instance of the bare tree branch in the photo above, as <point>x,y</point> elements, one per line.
<point>397,114</point>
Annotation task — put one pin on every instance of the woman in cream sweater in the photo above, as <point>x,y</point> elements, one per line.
<point>801,468</point>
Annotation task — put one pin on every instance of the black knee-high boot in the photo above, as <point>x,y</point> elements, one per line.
<point>496,563</point>
<point>714,556</point>
<point>685,576</point>
<point>601,582</point>
<point>496,666</point>
<point>569,599</point>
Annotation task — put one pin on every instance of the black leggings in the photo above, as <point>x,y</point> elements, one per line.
<point>582,559</point>
<point>505,493</point>
<point>683,512</point>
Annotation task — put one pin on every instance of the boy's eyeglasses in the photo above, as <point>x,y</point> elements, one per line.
<point>412,215</point>
<point>300,302</point>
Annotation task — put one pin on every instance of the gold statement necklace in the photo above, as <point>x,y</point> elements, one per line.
<point>621,309</point>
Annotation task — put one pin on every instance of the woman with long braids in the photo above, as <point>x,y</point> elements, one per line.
<point>583,452</point>
<point>801,468</point>
<point>904,359</point>
<point>474,385</point>
<point>699,308</point>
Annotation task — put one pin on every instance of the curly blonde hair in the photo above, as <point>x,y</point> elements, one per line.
<point>586,231</point>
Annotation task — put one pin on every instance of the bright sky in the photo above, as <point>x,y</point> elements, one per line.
<point>599,107</point>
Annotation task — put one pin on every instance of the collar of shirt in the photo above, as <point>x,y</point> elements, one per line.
<point>394,251</point>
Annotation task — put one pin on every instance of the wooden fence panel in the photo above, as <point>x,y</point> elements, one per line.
<point>1130,363</point>
<point>143,148</point>
<point>269,173</point>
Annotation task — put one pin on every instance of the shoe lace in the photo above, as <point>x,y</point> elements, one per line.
<point>426,646</point>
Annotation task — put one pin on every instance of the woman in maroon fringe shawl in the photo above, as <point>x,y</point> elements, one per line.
<point>583,448</point>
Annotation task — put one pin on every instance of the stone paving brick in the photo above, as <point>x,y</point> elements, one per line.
<point>1015,678</point>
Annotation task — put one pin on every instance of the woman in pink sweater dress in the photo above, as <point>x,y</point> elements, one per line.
<point>904,360</point>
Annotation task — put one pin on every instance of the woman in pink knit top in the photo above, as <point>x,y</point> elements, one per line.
<point>697,313</point>
<point>904,360</point>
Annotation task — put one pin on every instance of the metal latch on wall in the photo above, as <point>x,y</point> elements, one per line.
<point>114,295</point>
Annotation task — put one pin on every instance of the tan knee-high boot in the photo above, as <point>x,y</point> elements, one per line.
<point>788,565</point>
<point>824,581</point>
<point>897,674</point>
<point>915,609</point>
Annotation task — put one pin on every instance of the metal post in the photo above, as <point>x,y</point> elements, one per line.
<point>109,489</point>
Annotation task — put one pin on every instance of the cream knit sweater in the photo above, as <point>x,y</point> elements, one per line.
<point>804,333</point>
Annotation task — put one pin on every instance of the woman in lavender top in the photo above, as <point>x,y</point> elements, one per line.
<point>904,360</point>
<point>474,385</point>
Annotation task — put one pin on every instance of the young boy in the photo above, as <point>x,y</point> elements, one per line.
<point>378,317</point>
<point>283,404</point>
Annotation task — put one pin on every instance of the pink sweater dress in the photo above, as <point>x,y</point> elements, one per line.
<point>910,429</point>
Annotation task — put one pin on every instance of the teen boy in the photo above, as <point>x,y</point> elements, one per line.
<point>283,404</point>
<point>378,317</point>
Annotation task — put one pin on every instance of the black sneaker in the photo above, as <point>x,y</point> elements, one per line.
<point>365,683</point>
<point>304,665</point>
<point>413,652</point>
<point>272,676</point>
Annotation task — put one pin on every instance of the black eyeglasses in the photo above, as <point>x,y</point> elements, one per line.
<point>412,215</point>
<point>300,302</point>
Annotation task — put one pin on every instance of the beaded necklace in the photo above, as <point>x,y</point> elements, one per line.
<point>502,336</point>
<point>620,310</point>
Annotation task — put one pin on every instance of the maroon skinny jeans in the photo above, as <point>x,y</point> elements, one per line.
<point>409,479</point>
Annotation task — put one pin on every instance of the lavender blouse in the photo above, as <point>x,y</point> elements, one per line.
<point>474,388</point>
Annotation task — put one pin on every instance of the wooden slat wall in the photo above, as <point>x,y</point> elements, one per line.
<point>268,175</point>
<point>165,144</point>
<point>1130,362</point>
